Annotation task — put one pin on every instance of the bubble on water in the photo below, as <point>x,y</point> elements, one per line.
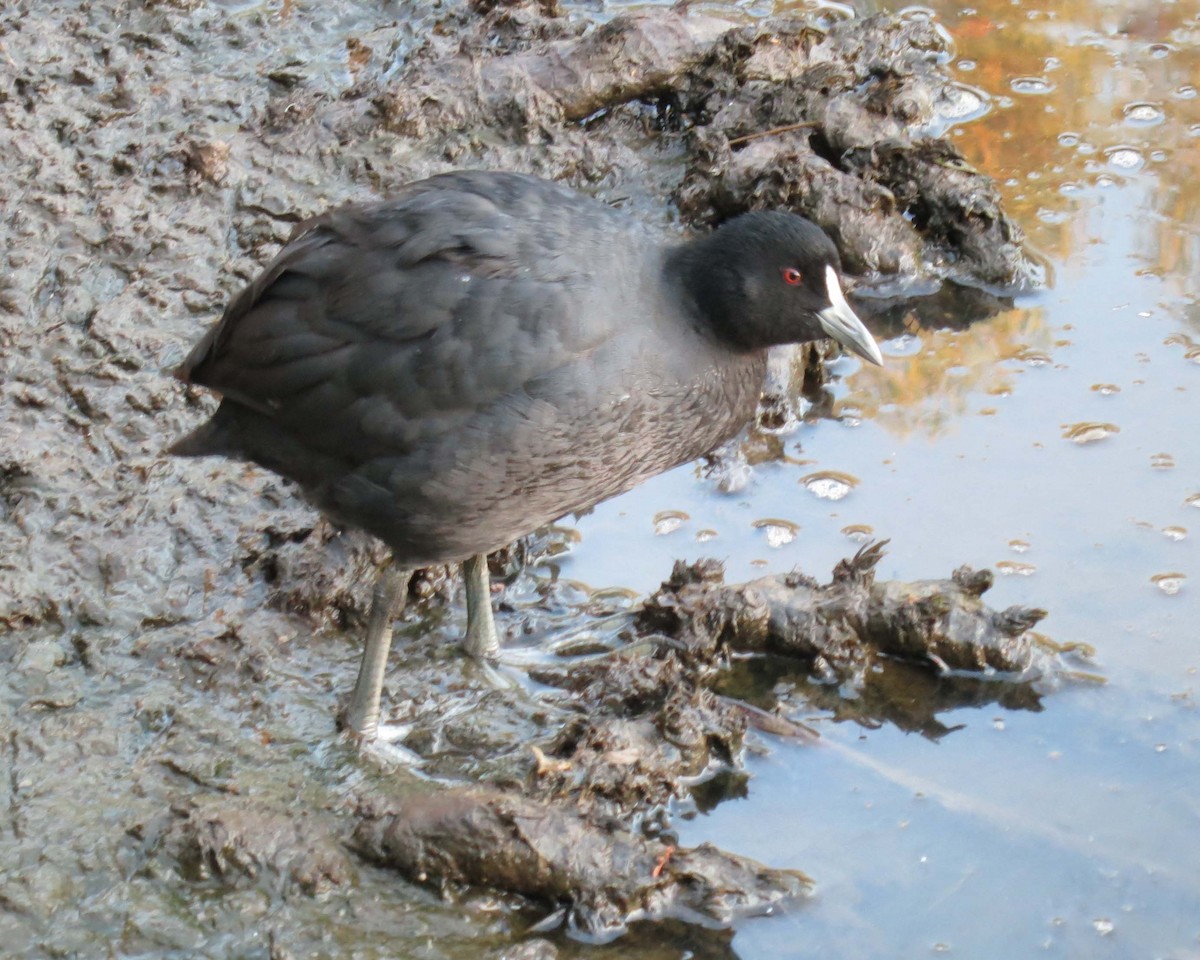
<point>1104,926</point>
<point>1031,86</point>
<point>829,484</point>
<point>1159,51</point>
<point>904,345</point>
<point>668,521</point>
<point>1193,501</point>
<point>1035,358</point>
<point>1160,748</point>
<point>998,723</point>
<point>1104,181</point>
<point>833,12</point>
<point>703,536</point>
<point>959,102</point>
<point>1018,546</point>
<point>967,65</point>
<point>1068,139</point>
<point>1070,187</point>
<point>1105,389</point>
<point>1169,583</point>
<point>1012,568</point>
<point>1089,431</point>
<point>1185,92</point>
<point>1162,461</point>
<point>1194,130</point>
<point>779,532</point>
<point>1175,533</point>
<point>858,532</point>
<point>1125,158</point>
<point>1144,113</point>
<point>732,474</point>
<point>1051,217</point>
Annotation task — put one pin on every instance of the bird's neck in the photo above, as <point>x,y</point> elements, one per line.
<point>711,289</point>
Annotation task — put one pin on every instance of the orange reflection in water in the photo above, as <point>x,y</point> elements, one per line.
<point>1086,98</point>
<point>954,373</point>
<point>1116,104</point>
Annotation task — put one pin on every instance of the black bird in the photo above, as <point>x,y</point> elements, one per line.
<point>486,352</point>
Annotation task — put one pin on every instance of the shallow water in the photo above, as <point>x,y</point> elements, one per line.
<point>1057,443</point>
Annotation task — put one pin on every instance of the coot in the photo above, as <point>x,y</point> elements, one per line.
<point>485,352</point>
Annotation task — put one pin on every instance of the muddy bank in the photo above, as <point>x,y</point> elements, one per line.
<point>151,196</point>
<point>839,120</point>
<point>562,797</point>
<point>159,615</point>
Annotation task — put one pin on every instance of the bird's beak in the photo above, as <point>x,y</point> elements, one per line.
<point>841,323</point>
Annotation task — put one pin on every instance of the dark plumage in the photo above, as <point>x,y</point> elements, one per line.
<point>485,352</point>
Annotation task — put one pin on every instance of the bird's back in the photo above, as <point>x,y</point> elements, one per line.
<point>455,366</point>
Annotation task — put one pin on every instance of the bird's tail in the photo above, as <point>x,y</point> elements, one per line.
<point>240,433</point>
<point>216,437</point>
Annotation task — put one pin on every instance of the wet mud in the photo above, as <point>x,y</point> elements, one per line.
<point>604,875</point>
<point>175,632</point>
<point>571,786</point>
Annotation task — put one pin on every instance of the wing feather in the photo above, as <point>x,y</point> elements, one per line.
<point>379,323</point>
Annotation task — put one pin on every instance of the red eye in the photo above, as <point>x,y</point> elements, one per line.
<point>792,276</point>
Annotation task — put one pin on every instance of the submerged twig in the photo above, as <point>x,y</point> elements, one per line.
<point>786,128</point>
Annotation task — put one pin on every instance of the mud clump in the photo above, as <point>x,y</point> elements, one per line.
<point>650,723</point>
<point>840,123</point>
<point>941,622</point>
<point>605,875</point>
<point>654,719</point>
<point>530,92</point>
<point>843,126</point>
<point>649,726</point>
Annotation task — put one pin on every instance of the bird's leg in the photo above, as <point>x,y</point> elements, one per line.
<point>387,599</point>
<point>481,641</point>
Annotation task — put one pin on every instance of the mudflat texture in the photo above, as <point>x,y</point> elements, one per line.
<point>160,156</point>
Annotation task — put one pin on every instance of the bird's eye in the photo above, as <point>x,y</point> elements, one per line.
<point>792,276</point>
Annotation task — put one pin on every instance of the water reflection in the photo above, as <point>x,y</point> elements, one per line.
<point>1133,61</point>
<point>1092,128</point>
<point>933,377</point>
<point>1119,107</point>
<point>905,695</point>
